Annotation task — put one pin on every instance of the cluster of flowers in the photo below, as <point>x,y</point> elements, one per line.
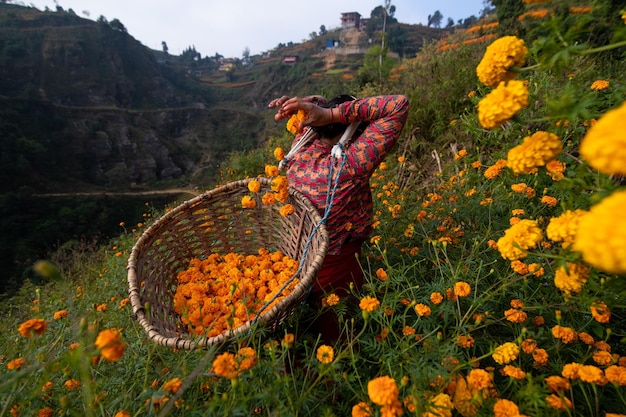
<point>221,293</point>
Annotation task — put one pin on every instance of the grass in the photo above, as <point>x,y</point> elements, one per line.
<point>450,328</point>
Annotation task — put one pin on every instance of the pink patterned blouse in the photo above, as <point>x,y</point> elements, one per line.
<point>350,217</point>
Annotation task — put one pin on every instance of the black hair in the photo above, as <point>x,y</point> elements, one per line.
<point>332,130</point>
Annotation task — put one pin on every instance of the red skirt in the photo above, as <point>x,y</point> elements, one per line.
<point>339,271</point>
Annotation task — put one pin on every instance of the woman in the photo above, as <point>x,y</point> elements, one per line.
<point>371,127</point>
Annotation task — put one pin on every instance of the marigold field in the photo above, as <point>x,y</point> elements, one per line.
<point>494,279</point>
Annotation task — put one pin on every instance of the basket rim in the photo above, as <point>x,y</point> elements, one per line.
<point>189,342</point>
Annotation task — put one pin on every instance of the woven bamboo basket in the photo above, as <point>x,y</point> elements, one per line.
<point>216,222</point>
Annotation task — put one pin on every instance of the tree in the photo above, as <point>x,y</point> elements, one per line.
<point>435,19</point>
<point>323,30</point>
<point>117,25</point>
<point>507,12</point>
<point>164,46</point>
<point>450,23</point>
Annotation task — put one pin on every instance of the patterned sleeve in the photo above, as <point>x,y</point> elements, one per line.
<point>386,116</point>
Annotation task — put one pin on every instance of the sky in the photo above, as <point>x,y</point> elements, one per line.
<point>228,27</point>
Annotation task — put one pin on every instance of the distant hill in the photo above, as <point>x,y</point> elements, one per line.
<point>84,105</point>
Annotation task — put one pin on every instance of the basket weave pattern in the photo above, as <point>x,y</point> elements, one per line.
<point>216,222</point>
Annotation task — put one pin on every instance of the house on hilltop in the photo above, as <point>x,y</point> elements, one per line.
<point>350,20</point>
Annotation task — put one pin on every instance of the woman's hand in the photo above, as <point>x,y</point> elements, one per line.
<point>316,115</point>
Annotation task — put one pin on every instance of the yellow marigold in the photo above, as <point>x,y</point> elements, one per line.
<point>383,390</point>
<point>558,403</point>
<point>564,227</point>
<point>279,154</point>
<point>361,409</point>
<point>535,151</point>
<point>248,202</point>
<point>556,169</point>
<point>422,310</point>
<point>110,344</point>
<point>601,235</point>
<point>462,289</point>
<point>294,124</point>
<point>505,408</point>
<point>33,327</point>
<point>503,54</point>
<point>225,365</point>
<point>506,353</point>
<point>513,372</point>
<point>600,312</point>
<point>604,145</point>
<point>286,210</point>
<point>369,303</point>
<point>436,298</point>
<point>556,383</point>
<point>325,354</point>
<point>571,279</point>
<point>254,186</point>
<point>440,406</point>
<point>520,237</point>
<point>502,103</point>
<point>173,385</point>
<point>599,85</point>
<point>268,199</point>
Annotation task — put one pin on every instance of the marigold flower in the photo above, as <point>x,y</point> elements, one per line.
<point>288,340</point>
<point>556,383</point>
<point>122,413</point>
<point>15,364</point>
<point>616,375</point>
<point>225,365</point>
<point>566,334</point>
<point>331,300</point>
<point>381,274</point>
<point>506,353</point>
<point>571,279</point>
<point>441,405</point>
<point>549,201</point>
<point>254,186</point>
<point>535,151</point>
<point>361,409</point>
<point>480,379</point>
<point>436,298</point>
<point>570,370</point>
<point>502,103</point>
<point>369,304</point>
<point>33,327</point>
<point>520,237</point>
<point>600,312</point>
<point>558,403</point>
<point>564,227</point>
<point>604,145</point>
<point>540,357</point>
<point>271,171</point>
<point>602,358</point>
<point>325,354</point>
<point>268,199</point>
<point>503,54</point>
<point>529,345</point>
<point>599,85</point>
<point>72,384</point>
<point>110,344</point>
<point>494,170</point>
<point>383,390</point>
<point>422,310</point>
<point>462,289</point>
<point>515,316</point>
<point>173,385</point>
<point>279,153</point>
<point>513,372</point>
<point>246,358</point>
<point>248,202</point>
<point>45,412</point>
<point>60,314</point>
<point>505,408</point>
<point>591,374</point>
<point>601,235</point>
<point>465,341</point>
<point>294,124</point>
<point>286,210</point>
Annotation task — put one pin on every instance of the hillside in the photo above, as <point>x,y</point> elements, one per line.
<point>85,105</point>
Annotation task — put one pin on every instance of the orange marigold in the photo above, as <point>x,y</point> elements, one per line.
<point>383,390</point>
<point>33,327</point>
